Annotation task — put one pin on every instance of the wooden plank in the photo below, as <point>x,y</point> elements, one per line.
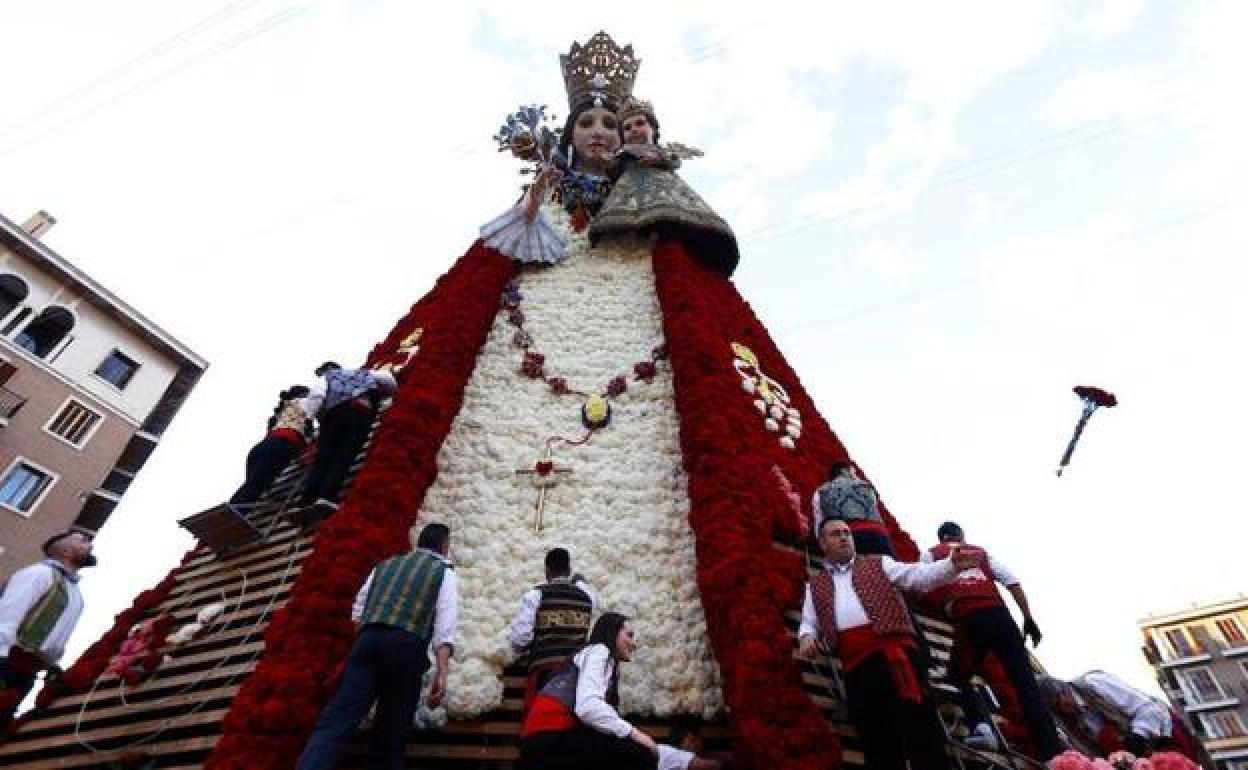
<point>171,683</point>
<point>136,708</point>
<point>229,594</point>
<point>135,729</point>
<point>262,562</point>
<point>97,760</point>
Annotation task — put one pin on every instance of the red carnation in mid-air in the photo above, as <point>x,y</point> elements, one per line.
<point>1093,398</point>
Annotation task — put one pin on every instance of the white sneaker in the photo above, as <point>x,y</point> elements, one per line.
<point>982,738</point>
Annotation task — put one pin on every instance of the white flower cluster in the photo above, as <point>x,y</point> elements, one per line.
<point>623,510</point>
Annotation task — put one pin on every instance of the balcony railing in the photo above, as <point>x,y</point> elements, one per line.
<point>10,404</point>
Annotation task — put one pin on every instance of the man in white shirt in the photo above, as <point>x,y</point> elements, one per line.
<point>974,604</point>
<point>552,623</point>
<point>408,604</point>
<point>344,401</point>
<point>855,607</point>
<point>1098,704</point>
<point>39,608</point>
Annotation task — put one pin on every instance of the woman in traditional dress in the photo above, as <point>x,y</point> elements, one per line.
<point>574,722</point>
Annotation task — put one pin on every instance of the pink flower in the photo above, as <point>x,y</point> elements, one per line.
<point>1070,760</point>
<point>1171,760</point>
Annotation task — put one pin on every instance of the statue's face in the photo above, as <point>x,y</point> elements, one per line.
<point>637,130</point>
<point>596,137</point>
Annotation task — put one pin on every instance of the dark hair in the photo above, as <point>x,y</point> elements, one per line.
<point>51,542</point>
<point>434,537</point>
<point>558,561</point>
<point>606,630</point>
<point>651,119</point>
<point>565,139</point>
<point>325,367</point>
<point>949,529</point>
<point>826,521</point>
<point>839,466</point>
<point>294,391</point>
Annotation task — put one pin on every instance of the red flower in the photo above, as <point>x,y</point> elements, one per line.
<point>1096,395</point>
<point>532,364</point>
<point>645,370</point>
<point>274,711</point>
<point>730,459</point>
<point>617,386</point>
<point>559,386</point>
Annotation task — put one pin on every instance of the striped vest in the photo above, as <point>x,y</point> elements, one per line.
<point>886,609</point>
<point>44,614</point>
<point>562,623</point>
<point>404,592</point>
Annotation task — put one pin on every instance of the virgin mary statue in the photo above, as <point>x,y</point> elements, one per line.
<point>617,398</point>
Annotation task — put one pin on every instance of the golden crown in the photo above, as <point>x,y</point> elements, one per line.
<point>599,72</point>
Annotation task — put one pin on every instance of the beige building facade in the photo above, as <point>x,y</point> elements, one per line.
<point>87,387</point>
<point>1200,656</point>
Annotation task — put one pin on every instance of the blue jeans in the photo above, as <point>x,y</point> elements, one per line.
<point>386,665</point>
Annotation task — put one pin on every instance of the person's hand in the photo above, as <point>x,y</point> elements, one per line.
<point>546,179</point>
<point>1032,631</point>
<point>644,740</point>
<point>437,693</point>
<point>808,648</point>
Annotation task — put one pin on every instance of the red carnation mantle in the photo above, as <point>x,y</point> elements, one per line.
<point>735,504</point>
<point>277,706</point>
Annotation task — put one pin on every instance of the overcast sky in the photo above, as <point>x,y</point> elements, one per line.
<point>949,214</point>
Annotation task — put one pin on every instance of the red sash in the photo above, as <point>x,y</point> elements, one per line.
<point>548,715</point>
<point>858,644</point>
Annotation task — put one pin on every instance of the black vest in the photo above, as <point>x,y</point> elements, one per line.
<point>562,623</point>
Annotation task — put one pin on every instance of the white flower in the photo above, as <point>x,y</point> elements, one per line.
<point>622,511</point>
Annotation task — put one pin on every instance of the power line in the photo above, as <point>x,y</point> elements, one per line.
<point>268,23</point>
<point>119,71</point>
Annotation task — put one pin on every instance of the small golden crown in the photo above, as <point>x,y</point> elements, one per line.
<point>599,71</point>
<point>634,106</point>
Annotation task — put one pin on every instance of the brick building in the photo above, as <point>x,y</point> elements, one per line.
<point>87,387</point>
<point>1201,659</point>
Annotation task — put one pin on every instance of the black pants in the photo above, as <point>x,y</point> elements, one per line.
<point>386,665</point>
<point>15,684</point>
<point>265,463</point>
<point>344,429</point>
<point>993,630</point>
<point>893,730</point>
<point>584,747</point>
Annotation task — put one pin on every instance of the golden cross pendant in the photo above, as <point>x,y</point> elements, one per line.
<point>545,475</point>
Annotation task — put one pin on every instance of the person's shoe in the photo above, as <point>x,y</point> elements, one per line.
<point>982,738</point>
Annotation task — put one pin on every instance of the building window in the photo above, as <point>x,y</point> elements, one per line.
<point>1232,631</point>
<point>1223,724</point>
<point>13,291</point>
<point>118,368</point>
<point>1182,644</point>
<point>75,423</point>
<point>1201,686</point>
<point>24,486</point>
<point>42,335</point>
